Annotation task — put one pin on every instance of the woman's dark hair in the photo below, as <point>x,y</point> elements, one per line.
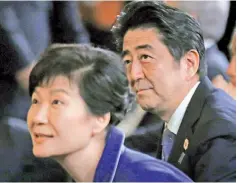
<point>99,74</point>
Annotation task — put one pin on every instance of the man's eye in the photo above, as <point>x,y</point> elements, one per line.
<point>145,57</point>
<point>56,102</point>
<point>126,62</point>
<point>34,101</point>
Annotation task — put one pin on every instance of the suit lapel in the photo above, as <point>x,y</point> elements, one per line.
<point>191,116</point>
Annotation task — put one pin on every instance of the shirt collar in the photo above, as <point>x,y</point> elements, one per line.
<point>177,117</point>
<point>108,163</point>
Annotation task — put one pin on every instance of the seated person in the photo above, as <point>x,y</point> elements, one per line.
<point>18,164</point>
<point>78,92</point>
<point>219,81</point>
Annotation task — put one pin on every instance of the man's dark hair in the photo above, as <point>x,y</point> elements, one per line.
<point>98,73</point>
<point>178,31</point>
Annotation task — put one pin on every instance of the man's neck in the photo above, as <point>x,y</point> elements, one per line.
<point>166,115</point>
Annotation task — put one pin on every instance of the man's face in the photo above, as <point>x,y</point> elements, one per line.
<point>154,75</point>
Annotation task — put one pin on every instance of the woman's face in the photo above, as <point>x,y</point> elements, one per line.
<point>58,119</point>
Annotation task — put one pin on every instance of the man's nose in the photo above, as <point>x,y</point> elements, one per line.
<point>136,71</point>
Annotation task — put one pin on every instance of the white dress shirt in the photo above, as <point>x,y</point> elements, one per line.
<point>177,117</point>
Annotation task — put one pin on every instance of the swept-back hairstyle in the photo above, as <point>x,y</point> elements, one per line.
<point>98,73</point>
<point>177,30</point>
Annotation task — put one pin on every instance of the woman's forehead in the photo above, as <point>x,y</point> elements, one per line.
<point>59,83</point>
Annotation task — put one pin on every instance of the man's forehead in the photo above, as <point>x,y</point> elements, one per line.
<point>138,47</point>
<point>140,38</point>
<point>140,32</point>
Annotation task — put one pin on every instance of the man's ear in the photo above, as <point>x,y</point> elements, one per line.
<point>190,64</point>
<point>101,123</point>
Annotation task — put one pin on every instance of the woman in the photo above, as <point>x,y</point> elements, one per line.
<point>77,93</point>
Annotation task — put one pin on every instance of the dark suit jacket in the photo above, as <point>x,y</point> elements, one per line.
<point>27,28</point>
<point>17,162</point>
<point>209,125</point>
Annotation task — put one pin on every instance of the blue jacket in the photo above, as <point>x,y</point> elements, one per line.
<point>120,164</point>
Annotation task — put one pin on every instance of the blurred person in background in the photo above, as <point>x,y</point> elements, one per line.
<point>219,81</point>
<point>99,17</point>
<point>18,164</point>
<point>163,51</point>
<point>212,16</point>
<point>26,29</point>
<point>78,93</point>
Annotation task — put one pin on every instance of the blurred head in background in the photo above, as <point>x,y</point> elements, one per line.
<point>212,16</point>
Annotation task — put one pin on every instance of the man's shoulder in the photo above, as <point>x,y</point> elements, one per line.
<point>211,103</point>
<point>217,120</point>
<point>215,113</point>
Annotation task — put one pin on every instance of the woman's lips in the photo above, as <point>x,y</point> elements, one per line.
<point>40,137</point>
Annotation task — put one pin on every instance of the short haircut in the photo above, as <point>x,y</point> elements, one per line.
<point>179,31</point>
<point>98,73</point>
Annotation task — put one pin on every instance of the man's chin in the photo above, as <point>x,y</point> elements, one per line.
<point>147,108</point>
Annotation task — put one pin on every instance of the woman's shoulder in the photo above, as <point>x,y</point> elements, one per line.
<point>138,167</point>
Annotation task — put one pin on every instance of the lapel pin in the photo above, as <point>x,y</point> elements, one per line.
<point>181,157</point>
<point>186,143</point>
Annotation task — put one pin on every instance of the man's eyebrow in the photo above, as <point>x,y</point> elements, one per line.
<point>144,46</point>
<point>124,53</point>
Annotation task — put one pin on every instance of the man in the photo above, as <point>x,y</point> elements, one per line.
<point>163,52</point>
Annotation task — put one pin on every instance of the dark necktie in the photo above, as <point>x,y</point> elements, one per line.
<point>167,143</point>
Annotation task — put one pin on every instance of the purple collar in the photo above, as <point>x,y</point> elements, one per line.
<point>108,163</point>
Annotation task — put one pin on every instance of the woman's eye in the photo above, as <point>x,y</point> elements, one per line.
<point>34,101</point>
<point>56,102</point>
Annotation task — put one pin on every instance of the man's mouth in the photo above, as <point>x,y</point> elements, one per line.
<point>140,90</point>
